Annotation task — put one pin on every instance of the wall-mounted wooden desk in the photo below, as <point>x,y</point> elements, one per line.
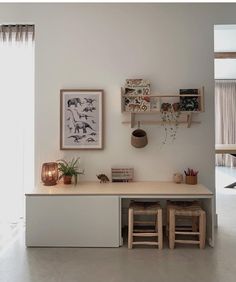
<point>89,214</point>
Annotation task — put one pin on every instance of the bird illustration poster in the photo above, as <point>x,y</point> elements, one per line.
<point>81,119</point>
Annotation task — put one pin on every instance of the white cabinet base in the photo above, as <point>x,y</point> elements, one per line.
<point>72,221</point>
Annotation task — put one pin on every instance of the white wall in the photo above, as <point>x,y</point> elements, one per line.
<point>99,46</point>
<point>225,41</point>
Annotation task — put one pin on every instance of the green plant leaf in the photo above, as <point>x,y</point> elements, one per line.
<point>70,168</point>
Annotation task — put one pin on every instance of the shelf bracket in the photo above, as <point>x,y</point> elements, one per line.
<point>189,120</point>
<point>132,120</point>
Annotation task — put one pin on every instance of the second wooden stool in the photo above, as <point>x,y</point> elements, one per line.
<point>145,208</point>
<point>199,230</point>
<point>191,222</point>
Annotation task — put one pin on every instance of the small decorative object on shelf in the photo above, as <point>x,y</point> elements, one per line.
<point>49,174</point>
<point>122,174</point>
<point>103,178</point>
<point>139,82</point>
<point>68,170</point>
<point>178,177</point>
<point>191,176</point>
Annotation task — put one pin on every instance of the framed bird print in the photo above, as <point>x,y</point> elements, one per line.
<point>81,119</point>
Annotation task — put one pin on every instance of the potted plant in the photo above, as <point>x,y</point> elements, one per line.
<point>68,170</point>
<point>170,114</point>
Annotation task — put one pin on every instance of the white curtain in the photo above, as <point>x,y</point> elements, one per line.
<point>16,118</point>
<point>17,33</point>
<point>225,118</point>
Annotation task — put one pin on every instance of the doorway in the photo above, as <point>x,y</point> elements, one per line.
<point>225,120</point>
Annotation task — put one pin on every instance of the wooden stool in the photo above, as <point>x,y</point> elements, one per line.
<point>193,221</point>
<point>199,229</point>
<point>145,208</point>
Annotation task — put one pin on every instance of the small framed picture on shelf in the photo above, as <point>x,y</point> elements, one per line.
<point>81,119</point>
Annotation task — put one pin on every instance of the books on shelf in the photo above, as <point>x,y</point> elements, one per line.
<point>189,103</point>
<point>136,92</point>
<point>137,98</point>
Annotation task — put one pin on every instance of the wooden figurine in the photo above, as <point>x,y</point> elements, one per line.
<point>103,178</point>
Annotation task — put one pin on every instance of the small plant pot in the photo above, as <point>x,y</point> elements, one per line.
<point>139,138</point>
<point>191,179</point>
<point>176,107</point>
<point>67,179</point>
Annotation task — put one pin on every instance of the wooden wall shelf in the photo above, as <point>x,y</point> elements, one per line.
<point>134,121</point>
<point>185,118</point>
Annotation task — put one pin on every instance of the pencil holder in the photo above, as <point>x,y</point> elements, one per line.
<point>191,179</point>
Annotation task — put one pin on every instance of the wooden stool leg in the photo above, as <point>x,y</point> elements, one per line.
<point>156,224</point>
<point>130,228</point>
<point>202,229</point>
<point>171,229</point>
<point>194,223</point>
<point>167,222</point>
<point>160,231</point>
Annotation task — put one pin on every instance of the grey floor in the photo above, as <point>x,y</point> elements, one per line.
<point>18,264</point>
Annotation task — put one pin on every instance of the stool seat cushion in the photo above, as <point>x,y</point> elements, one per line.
<point>188,211</point>
<point>145,205</point>
<point>193,205</point>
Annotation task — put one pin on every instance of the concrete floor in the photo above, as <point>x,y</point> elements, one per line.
<point>18,264</point>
